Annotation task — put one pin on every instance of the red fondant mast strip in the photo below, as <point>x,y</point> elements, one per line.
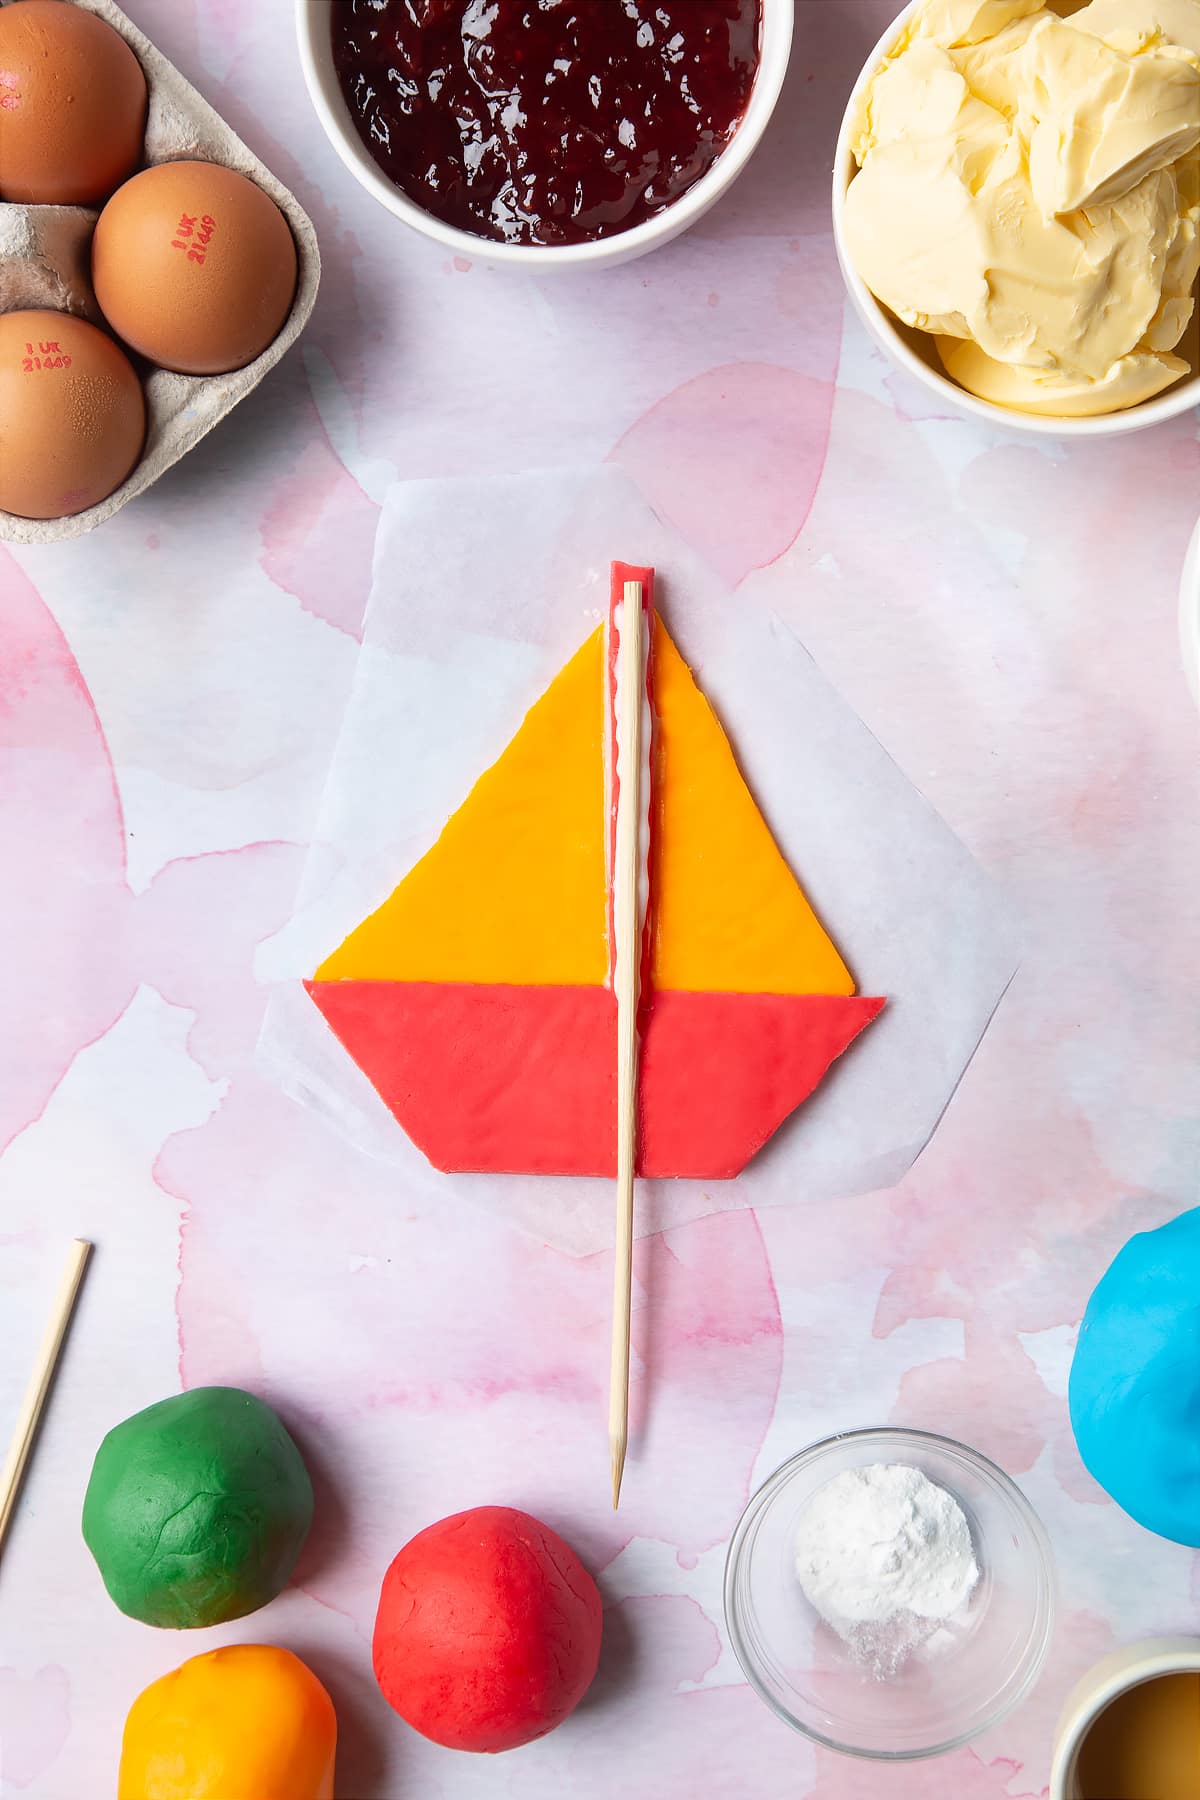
<point>620,574</point>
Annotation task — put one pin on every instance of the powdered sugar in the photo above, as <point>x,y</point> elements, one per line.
<point>885,1556</point>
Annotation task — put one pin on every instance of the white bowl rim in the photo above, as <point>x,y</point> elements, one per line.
<point>898,1436</point>
<point>778,19</point>
<point>1170,405</point>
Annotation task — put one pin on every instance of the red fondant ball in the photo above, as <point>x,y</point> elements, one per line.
<point>488,1631</point>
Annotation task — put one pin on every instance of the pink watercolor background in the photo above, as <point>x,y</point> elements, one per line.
<point>170,688</point>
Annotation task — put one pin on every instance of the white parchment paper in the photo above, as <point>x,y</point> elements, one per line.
<point>482,589</point>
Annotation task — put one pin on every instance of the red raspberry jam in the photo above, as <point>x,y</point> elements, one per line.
<point>545,121</point>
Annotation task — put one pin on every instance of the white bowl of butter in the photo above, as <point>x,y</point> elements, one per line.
<point>1017,208</point>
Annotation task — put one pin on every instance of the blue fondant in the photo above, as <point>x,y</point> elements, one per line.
<point>1135,1381</point>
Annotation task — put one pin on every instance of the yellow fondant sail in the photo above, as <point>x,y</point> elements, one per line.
<point>514,890</point>
<point>729,915</point>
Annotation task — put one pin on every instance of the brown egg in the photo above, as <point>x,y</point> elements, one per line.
<point>72,105</point>
<point>194,267</point>
<point>72,416</point>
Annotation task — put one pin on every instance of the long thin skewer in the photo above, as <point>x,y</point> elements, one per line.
<point>627,933</point>
<point>40,1381</point>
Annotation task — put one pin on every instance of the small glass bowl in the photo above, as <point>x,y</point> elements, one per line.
<point>964,1679</point>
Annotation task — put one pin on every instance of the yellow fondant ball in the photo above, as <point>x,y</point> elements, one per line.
<point>250,1722</point>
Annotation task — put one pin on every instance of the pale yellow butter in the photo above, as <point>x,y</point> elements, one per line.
<point>1101,120</point>
<point>1133,379</point>
<point>1144,22</point>
<point>951,22</point>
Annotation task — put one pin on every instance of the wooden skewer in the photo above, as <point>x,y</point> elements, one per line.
<point>40,1382</point>
<point>627,932</point>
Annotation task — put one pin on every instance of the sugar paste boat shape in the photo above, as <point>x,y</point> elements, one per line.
<point>478,998</point>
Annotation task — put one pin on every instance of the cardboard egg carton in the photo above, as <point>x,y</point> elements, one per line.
<point>45,255</point>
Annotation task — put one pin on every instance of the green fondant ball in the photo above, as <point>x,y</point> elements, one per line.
<point>197,1508</point>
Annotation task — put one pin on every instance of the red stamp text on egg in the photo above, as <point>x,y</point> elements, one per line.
<point>193,234</point>
<point>46,354</point>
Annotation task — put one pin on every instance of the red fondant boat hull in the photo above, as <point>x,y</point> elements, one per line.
<point>522,1080</point>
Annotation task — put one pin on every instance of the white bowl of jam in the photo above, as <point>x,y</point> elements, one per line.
<point>545,133</point>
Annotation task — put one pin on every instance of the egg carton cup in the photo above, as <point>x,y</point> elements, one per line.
<point>45,257</point>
